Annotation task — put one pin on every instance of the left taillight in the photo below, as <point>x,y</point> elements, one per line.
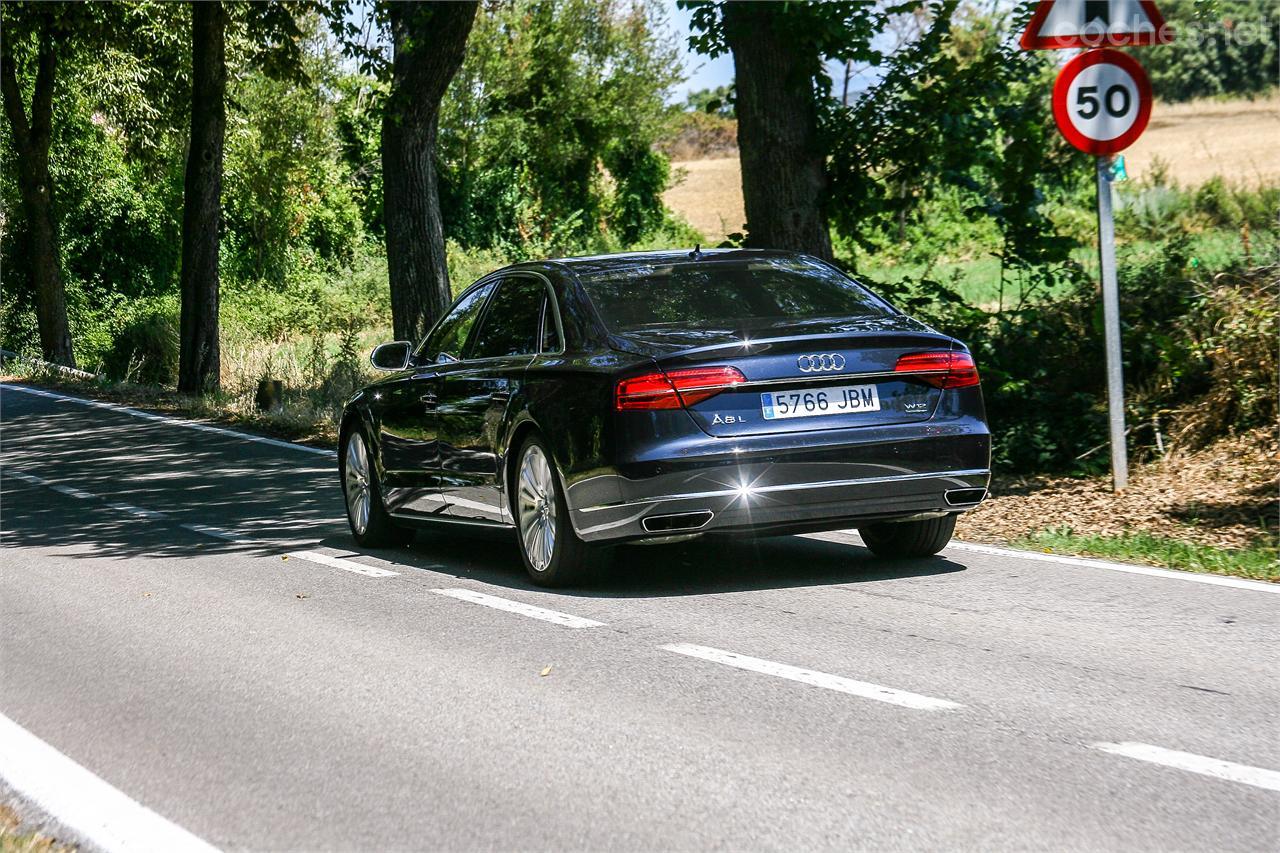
<point>673,388</point>
<point>940,369</point>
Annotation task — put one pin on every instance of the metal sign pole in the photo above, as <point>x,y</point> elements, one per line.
<point>1111,326</point>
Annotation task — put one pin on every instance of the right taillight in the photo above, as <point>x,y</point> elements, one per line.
<point>940,369</point>
<point>674,388</point>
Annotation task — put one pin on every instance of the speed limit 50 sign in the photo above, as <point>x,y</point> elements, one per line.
<point>1102,101</point>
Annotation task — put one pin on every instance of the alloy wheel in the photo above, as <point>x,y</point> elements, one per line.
<point>356,483</point>
<point>536,507</point>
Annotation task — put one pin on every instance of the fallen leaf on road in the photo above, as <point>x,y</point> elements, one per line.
<point>302,595</point>
<point>284,557</point>
<point>545,672</point>
<point>146,595</point>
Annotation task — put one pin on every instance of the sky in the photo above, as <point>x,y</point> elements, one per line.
<point>703,72</point>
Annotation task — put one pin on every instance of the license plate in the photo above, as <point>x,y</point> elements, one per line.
<point>841,400</point>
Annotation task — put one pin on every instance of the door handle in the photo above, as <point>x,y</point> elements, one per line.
<point>500,396</point>
<point>429,400</point>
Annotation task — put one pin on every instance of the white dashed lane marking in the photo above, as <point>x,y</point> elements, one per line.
<point>339,563</point>
<point>553,616</point>
<point>71,491</point>
<point>26,478</point>
<point>149,514</point>
<point>817,679</point>
<point>218,533</point>
<point>1189,761</point>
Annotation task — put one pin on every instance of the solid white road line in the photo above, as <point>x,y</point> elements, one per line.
<point>1215,767</point>
<point>84,802</point>
<point>218,533</point>
<point>339,563</point>
<point>1079,562</point>
<point>1151,571</point>
<point>178,422</point>
<point>816,679</point>
<point>553,616</point>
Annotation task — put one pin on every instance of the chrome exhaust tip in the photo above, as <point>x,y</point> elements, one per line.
<point>677,522</point>
<point>965,497</point>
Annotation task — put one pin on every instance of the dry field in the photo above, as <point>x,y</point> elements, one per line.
<point>708,194</point>
<point>1239,140</point>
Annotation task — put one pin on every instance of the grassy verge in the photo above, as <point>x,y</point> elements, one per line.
<point>14,840</point>
<point>300,418</point>
<point>1257,562</point>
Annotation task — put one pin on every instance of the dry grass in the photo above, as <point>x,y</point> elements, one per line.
<point>1195,141</point>
<point>1224,496</point>
<point>307,416</point>
<point>14,840</point>
<point>709,196</point>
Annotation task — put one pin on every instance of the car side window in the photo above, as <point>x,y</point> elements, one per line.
<point>450,337</point>
<point>510,324</point>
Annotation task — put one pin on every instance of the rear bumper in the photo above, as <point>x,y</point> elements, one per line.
<point>783,490</point>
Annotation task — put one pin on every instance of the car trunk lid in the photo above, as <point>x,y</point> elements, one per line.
<point>839,378</point>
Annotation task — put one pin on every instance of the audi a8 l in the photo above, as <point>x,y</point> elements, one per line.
<point>588,402</point>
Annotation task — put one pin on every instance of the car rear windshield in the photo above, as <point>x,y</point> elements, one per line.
<point>724,293</point>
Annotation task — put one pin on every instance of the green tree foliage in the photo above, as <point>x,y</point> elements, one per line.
<point>1221,48</point>
<point>961,111</point>
<point>717,101</point>
<point>293,200</point>
<point>93,224</point>
<point>294,192</point>
<point>547,131</point>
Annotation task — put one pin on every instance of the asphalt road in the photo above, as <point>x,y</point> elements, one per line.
<point>151,632</point>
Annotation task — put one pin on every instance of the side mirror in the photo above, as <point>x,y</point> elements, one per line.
<point>393,356</point>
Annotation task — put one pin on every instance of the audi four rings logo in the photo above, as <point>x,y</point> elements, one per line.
<point>820,362</point>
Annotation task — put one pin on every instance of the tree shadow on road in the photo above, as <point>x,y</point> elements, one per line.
<point>275,503</point>
<point>696,567</point>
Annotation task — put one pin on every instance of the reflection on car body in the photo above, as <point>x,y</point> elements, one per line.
<point>635,398</point>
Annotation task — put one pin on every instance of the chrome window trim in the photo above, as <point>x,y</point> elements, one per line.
<point>501,276</point>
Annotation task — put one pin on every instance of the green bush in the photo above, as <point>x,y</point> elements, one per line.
<point>145,345</point>
<point>1223,48</point>
<point>1199,352</point>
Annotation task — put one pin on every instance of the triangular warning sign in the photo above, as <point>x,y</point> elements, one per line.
<point>1058,24</point>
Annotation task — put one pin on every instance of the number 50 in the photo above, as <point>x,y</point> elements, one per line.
<point>1088,105</point>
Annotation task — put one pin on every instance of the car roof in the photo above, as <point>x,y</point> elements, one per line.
<point>596,264</point>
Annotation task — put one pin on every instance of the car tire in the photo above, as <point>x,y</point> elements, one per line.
<point>553,554</point>
<point>895,539</point>
<point>371,524</point>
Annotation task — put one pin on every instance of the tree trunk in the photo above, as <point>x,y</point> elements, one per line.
<point>783,168</point>
<point>32,142</point>
<point>198,362</point>
<point>429,40</point>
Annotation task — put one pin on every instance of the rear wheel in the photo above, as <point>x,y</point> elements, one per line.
<point>909,538</point>
<point>553,554</point>
<point>371,525</point>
